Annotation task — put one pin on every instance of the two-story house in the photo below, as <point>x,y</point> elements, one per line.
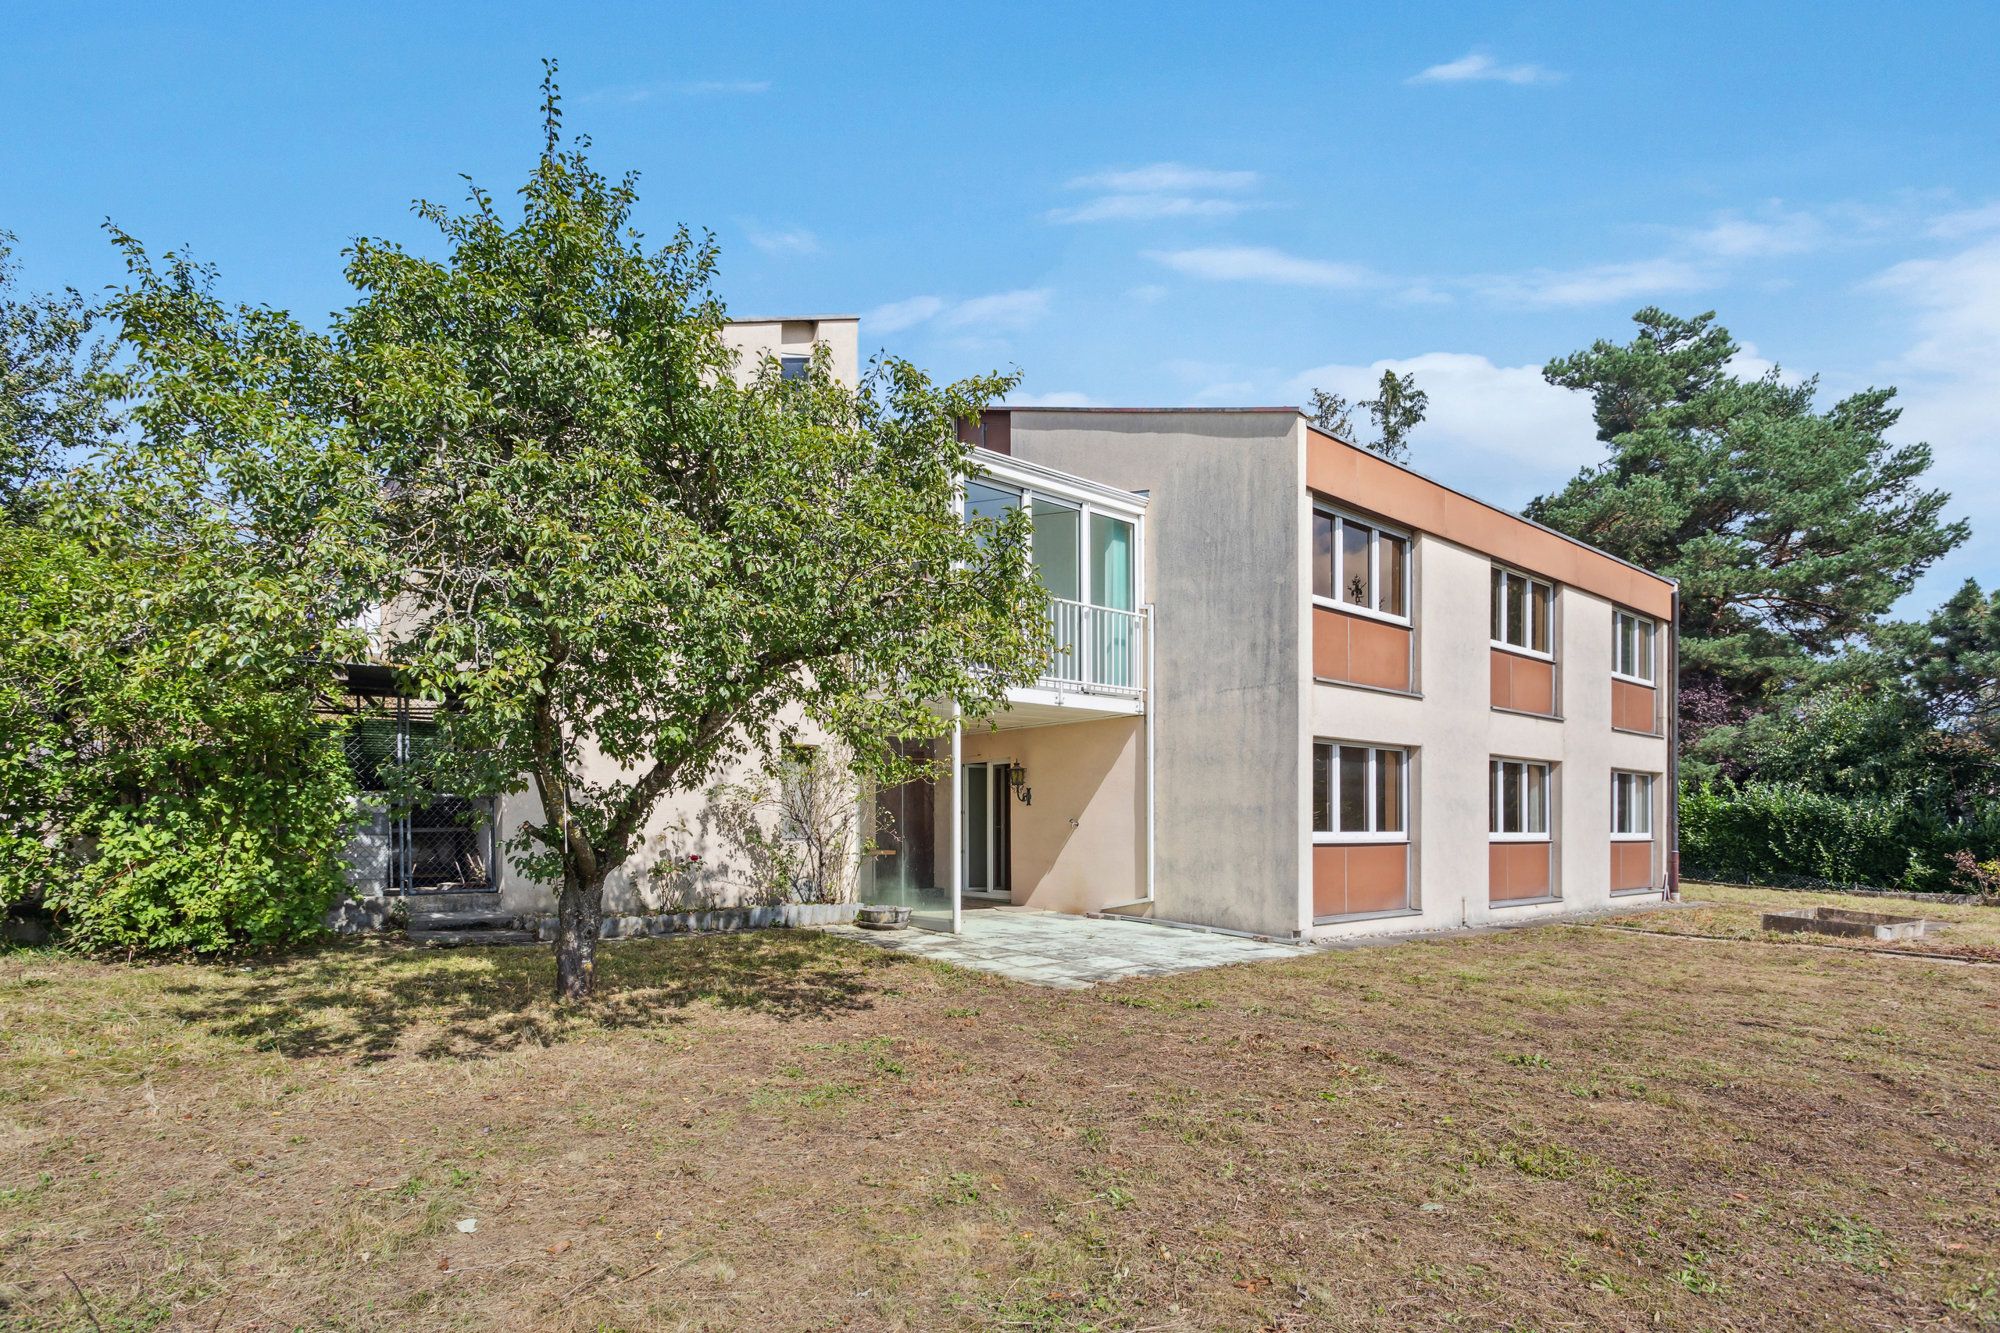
<point>1362,700</point>
<point>1297,691</point>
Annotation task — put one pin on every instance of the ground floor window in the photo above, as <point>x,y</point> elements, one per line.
<point>1632,805</point>
<point>1360,792</point>
<point>1520,799</point>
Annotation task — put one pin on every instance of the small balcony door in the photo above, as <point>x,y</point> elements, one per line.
<point>983,805</point>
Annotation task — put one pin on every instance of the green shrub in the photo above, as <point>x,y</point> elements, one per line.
<point>1773,832</point>
<point>162,788</point>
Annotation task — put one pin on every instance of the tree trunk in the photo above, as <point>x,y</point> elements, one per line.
<point>579,913</point>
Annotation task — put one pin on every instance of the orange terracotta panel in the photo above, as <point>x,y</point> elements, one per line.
<point>1330,644</point>
<point>1526,684</point>
<point>1377,654</point>
<point>1517,870</point>
<point>1631,865</point>
<point>1378,877</point>
<point>1632,706</point>
<point>1360,877</point>
<point>1340,471</point>
<point>1329,881</point>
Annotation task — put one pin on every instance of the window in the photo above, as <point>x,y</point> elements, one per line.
<point>1632,647</point>
<point>1632,806</point>
<point>793,367</point>
<point>1520,800</point>
<point>1360,566</point>
<point>989,503</point>
<point>1522,611</point>
<point>1360,793</point>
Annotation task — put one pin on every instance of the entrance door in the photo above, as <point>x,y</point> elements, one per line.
<point>983,802</point>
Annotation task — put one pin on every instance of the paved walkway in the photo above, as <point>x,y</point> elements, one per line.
<point>1070,952</point>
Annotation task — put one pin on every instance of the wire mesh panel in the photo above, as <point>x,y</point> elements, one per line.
<point>438,842</point>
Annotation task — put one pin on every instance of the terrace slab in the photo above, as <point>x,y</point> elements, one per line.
<point>1068,952</point>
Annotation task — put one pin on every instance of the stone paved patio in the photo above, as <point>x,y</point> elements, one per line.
<point>1070,952</point>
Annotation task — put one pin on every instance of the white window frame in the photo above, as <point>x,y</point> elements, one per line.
<point>1379,530</point>
<point>1496,796</point>
<point>1525,649</point>
<point>1648,633</point>
<point>1634,778</point>
<point>1375,752</point>
<point>1085,510</point>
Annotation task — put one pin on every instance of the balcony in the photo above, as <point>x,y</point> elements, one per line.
<point>1086,541</point>
<point>1099,650</point>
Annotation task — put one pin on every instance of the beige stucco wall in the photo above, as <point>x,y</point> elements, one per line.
<point>1080,846</point>
<point>756,339</point>
<point>1453,732</point>
<point>682,823</point>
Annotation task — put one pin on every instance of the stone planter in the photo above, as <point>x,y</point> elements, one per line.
<point>882,916</point>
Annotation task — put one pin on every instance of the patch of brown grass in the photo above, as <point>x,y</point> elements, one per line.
<point>1722,911</point>
<point>1558,1128</point>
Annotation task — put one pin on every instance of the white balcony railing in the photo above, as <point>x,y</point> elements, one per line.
<point>1098,649</point>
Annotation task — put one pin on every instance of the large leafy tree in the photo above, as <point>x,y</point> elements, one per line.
<point>55,396</point>
<point>1792,528</point>
<point>167,781</point>
<point>624,560</point>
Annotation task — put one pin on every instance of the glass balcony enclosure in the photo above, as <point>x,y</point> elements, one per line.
<point>1086,543</point>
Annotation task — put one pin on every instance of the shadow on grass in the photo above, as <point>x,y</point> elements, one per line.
<point>375,1000</point>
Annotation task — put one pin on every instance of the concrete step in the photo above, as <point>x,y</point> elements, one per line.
<point>456,939</point>
<point>429,920</point>
<point>480,900</point>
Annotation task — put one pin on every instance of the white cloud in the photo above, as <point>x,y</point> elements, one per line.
<point>1256,263</point>
<point>1162,190</point>
<point>1139,207</point>
<point>781,240</point>
<point>1502,433</point>
<point>1596,284</point>
<point>1061,398</point>
<point>1000,310</point>
<point>1165,178</point>
<point>1966,222</point>
<point>1948,381</point>
<point>1778,232</point>
<point>1750,364</point>
<point>1477,68</point>
<point>899,315</point>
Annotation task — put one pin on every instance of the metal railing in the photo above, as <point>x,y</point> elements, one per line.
<point>1098,649</point>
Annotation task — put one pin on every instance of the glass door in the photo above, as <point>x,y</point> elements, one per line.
<point>983,806</point>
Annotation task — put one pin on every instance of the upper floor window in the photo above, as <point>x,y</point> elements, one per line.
<point>1359,565</point>
<point>793,367</point>
<point>1520,800</point>
<point>1632,805</point>
<point>1632,647</point>
<point>1360,792</point>
<point>1522,612</point>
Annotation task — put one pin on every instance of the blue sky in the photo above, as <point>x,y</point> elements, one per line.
<point>1133,204</point>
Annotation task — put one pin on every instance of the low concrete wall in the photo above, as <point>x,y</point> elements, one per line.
<point>722,919</point>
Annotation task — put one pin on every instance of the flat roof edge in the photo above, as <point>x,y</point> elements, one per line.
<point>1498,509</point>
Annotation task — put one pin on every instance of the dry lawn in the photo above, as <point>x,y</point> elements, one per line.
<point>1721,911</point>
<point>1557,1128</point>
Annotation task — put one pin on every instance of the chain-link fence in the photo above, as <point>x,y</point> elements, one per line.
<point>428,841</point>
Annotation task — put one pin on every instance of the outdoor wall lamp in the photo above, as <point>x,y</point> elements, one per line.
<point>1017,780</point>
